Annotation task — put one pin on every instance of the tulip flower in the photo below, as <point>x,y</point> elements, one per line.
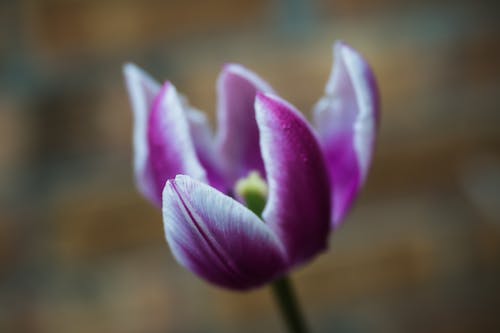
<point>244,206</point>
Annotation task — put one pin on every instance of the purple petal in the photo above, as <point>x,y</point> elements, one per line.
<point>298,207</point>
<point>171,149</point>
<point>347,119</point>
<point>204,144</point>
<point>238,136</point>
<point>217,238</point>
<point>142,91</point>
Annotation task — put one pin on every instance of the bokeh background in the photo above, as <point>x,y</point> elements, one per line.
<point>81,251</point>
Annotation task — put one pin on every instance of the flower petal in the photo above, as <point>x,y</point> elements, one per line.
<point>298,207</point>
<point>142,91</point>
<point>238,136</point>
<point>217,238</point>
<point>171,148</point>
<point>347,119</point>
<point>204,144</point>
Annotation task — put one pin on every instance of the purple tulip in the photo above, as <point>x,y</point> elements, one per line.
<point>310,176</point>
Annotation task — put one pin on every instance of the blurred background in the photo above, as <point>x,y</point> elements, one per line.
<point>81,251</point>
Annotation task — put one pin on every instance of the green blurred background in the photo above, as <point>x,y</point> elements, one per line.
<point>81,251</point>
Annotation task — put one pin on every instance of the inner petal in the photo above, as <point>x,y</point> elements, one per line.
<point>237,139</point>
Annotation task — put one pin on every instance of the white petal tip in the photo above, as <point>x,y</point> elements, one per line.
<point>135,74</point>
<point>132,70</point>
<point>247,75</point>
<point>233,67</point>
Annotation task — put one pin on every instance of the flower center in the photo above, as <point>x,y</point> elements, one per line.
<point>253,190</point>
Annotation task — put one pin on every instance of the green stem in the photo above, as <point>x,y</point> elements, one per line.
<point>287,302</point>
<point>253,189</point>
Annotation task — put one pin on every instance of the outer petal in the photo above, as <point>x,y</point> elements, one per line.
<point>238,136</point>
<point>142,90</point>
<point>298,207</point>
<point>217,238</point>
<point>171,149</point>
<point>347,119</point>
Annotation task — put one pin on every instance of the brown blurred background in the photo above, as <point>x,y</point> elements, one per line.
<point>81,251</point>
